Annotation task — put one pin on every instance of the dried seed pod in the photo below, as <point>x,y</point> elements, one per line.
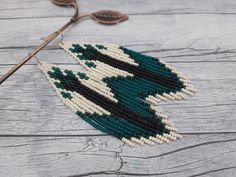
<point>109,17</point>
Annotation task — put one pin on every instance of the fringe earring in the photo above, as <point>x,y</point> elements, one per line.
<point>119,90</point>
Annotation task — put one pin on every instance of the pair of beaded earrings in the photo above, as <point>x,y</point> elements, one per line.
<point>119,90</point>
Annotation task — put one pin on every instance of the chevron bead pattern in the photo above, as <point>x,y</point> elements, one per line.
<point>119,90</point>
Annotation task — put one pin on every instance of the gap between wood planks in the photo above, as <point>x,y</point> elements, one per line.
<point>98,135</point>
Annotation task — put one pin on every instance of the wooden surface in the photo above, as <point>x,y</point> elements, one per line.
<point>40,137</point>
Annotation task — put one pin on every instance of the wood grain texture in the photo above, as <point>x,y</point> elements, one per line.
<point>39,136</point>
<point>195,155</point>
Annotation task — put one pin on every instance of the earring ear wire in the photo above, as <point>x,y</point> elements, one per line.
<point>36,58</point>
<point>62,39</point>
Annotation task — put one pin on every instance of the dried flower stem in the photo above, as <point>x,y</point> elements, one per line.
<point>114,17</point>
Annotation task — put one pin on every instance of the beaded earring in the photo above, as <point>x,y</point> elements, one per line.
<point>119,91</point>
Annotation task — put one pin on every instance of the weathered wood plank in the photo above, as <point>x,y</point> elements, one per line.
<point>39,136</point>
<point>103,156</point>
<point>44,8</point>
<point>186,55</point>
<point>30,106</point>
<point>184,31</point>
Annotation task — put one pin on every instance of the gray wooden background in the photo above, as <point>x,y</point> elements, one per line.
<point>40,137</point>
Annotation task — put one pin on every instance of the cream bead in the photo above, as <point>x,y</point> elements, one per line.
<point>137,141</point>
<point>145,140</point>
<point>130,143</point>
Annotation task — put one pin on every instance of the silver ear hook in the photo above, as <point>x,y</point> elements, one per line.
<point>37,60</point>
<point>62,39</point>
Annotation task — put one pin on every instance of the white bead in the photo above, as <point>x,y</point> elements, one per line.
<point>168,96</point>
<point>127,142</point>
<point>137,141</point>
<point>156,140</point>
<point>146,141</point>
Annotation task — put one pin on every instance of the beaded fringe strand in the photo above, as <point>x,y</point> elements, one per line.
<point>119,91</point>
